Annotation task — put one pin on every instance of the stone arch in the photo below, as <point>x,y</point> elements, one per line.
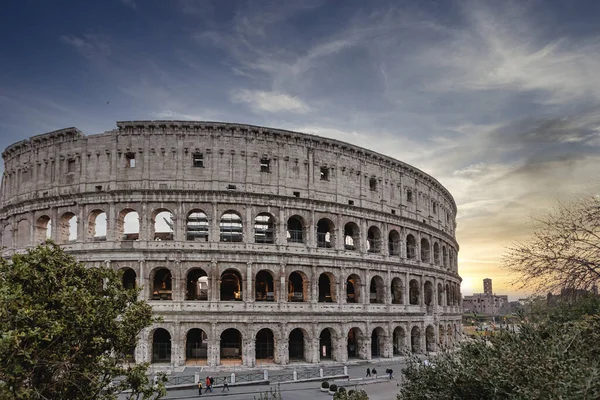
<point>351,236</point>
<point>399,338</point>
<point>325,233</point>
<point>161,346</point>
<point>436,253</point>
<point>298,287</point>
<point>231,349</point>
<point>430,338</point>
<point>67,231</point>
<point>296,229</point>
<point>442,335</point>
<point>425,256</point>
<point>264,287</point>
<point>449,336</point>
<point>353,284</point>
<point>231,285</point>
<point>415,339</point>
<point>428,291</point>
<point>378,342</point>
<point>413,292</point>
<point>394,243</point>
<point>7,236</point>
<point>411,247</point>
<point>23,233</point>
<point>196,347</point>
<point>397,291</point>
<point>163,223</point>
<point>231,227</point>
<point>297,345</point>
<point>264,228</point>
<point>162,284</point>
<point>129,278</point>
<point>327,344</point>
<point>97,225</point>
<point>128,224</point>
<point>444,257</point>
<point>376,290</point>
<point>374,240</point>
<point>448,299</point>
<point>440,296</point>
<point>451,259</point>
<point>264,346</point>
<point>326,289</point>
<point>196,284</point>
<point>43,229</point>
<point>355,343</point>
<point>197,226</point>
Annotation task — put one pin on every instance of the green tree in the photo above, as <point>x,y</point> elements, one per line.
<point>65,329</point>
<point>351,395</point>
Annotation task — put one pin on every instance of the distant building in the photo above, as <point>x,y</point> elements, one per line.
<point>570,295</point>
<point>487,302</point>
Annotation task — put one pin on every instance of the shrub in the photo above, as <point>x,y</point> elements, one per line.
<point>325,385</point>
<point>341,389</point>
<point>333,388</point>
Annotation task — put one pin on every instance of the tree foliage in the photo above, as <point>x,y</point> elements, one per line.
<point>351,395</point>
<point>65,328</point>
<point>556,356</point>
<point>564,250</point>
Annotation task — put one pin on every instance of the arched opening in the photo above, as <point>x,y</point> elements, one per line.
<point>23,233</point>
<point>436,253</point>
<point>196,285</point>
<point>415,339</point>
<point>397,291</point>
<point>295,229</point>
<point>196,347</point>
<point>297,289</point>
<point>377,341</point>
<point>374,240</point>
<point>411,247</point>
<point>448,300</point>
<point>325,233</point>
<point>444,257</point>
<point>440,290</point>
<point>296,345</point>
<point>231,286</point>
<point>353,289</point>
<point>450,259</point>
<point>161,285</point>
<point>442,336</point>
<point>399,341</point>
<point>263,287</point>
<point>43,229</point>
<point>197,226</point>
<point>161,346</point>
<point>430,338</point>
<point>325,345</point>
<point>68,228</point>
<point>351,236</point>
<point>97,226</point>
<point>376,290</point>
<point>7,236</point>
<point>129,278</point>
<point>265,346</point>
<point>355,342</point>
<point>428,289</point>
<point>424,250</point>
<point>394,243</point>
<point>231,227</point>
<point>413,292</point>
<point>326,289</point>
<point>163,225</point>
<point>231,347</point>
<point>264,228</point>
<point>449,336</point>
<point>128,225</point>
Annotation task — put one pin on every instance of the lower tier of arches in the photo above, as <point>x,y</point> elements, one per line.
<point>256,344</point>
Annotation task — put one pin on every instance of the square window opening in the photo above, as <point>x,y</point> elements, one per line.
<point>265,165</point>
<point>324,173</point>
<point>350,202</point>
<point>296,194</point>
<point>130,160</point>
<point>99,188</point>
<point>71,166</point>
<point>198,160</point>
<point>394,212</point>
<point>409,196</point>
<point>231,187</point>
<point>373,184</point>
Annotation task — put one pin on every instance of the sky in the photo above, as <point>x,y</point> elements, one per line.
<point>498,100</point>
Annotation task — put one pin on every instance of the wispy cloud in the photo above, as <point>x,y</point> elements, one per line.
<point>88,45</point>
<point>271,102</point>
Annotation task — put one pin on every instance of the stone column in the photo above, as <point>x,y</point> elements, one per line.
<point>177,346</point>
<point>248,294</point>
<point>176,281</point>
<point>406,289</point>
<point>215,235</point>
<point>141,281</point>
<point>214,347</point>
<point>282,284</point>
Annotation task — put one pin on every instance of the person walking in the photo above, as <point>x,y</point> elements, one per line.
<point>208,385</point>
<point>212,382</point>
<point>374,372</point>
<point>368,372</point>
<point>225,385</point>
<point>199,388</point>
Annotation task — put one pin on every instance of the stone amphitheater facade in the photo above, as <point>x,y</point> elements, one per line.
<point>254,245</point>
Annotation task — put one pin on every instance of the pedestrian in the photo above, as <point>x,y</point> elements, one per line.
<point>391,372</point>
<point>225,385</point>
<point>368,372</point>
<point>374,372</point>
<point>199,388</point>
<point>207,385</point>
<point>212,382</point>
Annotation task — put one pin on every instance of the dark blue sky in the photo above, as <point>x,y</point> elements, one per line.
<point>497,99</point>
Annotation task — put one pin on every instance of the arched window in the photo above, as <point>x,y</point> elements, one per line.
<point>374,240</point>
<point>296,345</point>
<point>351,236</point>
<point>231,286</point>
<point>397,291</point>
<point>413,292</point>
<point>128,225</point>
<point>440,291</point>
<point>399,338</point>
<point>68,228</point>
<point>424,250</point>
<point>415,339</point>
<point>325,345</point>
<point>326,288</point>
<point>231,227</point>
<point>295,229</point>
<point>23,233</point>
<point>196,346</point>
<point>163,225</point>
<point>97,226</point>
<point>376,290</point>
<point>430,338</point>
<point>265,345</point>
<point>197,226</point>
<point>411,247</point>
<point>162,285</point>
<point>263,287</point>
<point>161,346</point>
<point>231,346</point>
<point>428,288</point>
<point>444,257</point>
<point>353,289</point>
<point>196,285</point>
<point>264,228</point>
<point>451,259</point>
<point>43,229</point>
<point>297,287</point>
<point>129,278</point>
<point>394,243</point>
<point>354,345</point>
<point>448,300</point>
<point>325,233</point>
<point>436,253</point>
<point>377,342</point>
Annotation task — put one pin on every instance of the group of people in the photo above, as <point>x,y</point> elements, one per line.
<point>210,381</point>
<point>373,372</point>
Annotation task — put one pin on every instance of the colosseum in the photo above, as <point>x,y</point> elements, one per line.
<point>256,246</point>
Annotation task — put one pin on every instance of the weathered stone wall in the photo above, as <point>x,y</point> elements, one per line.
<point>150,167</point>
